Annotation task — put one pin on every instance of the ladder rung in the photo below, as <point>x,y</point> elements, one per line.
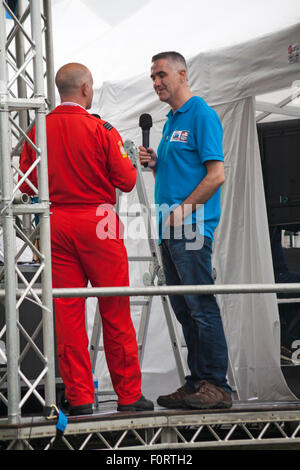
<point>101,348</point>
<point>139,302</point>
<point>130,214</point>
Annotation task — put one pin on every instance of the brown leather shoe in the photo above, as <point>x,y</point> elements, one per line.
<point>175,400</point>
<point>208,396</point>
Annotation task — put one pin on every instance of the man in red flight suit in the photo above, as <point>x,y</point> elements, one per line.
<point>86,162</point>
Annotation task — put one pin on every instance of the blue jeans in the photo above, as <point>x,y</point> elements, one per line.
<point>199,315</point>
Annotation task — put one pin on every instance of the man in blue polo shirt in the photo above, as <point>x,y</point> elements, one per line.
<point>189,172</point>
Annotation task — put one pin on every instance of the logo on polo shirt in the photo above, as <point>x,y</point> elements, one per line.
<point>179,136</point>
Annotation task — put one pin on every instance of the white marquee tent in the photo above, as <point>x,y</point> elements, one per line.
<point>236,51</point>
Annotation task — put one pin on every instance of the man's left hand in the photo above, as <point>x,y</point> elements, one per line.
<point>176,218</point>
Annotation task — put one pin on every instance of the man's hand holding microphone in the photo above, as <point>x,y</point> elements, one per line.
<point>147,155</point>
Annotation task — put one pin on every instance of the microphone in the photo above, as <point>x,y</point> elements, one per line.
<point>145,123</point>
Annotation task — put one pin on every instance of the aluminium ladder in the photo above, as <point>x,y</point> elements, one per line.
<point>154,274</point>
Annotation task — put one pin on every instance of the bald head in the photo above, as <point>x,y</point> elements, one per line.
<point>75,83</point>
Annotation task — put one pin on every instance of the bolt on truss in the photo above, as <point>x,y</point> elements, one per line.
<point>26,68</point>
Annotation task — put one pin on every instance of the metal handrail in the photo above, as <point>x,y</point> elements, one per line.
<point>164,290</point>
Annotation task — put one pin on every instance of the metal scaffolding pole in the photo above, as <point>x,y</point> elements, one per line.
<point>214,289</point>
<point>45,242</point>
<point>49,54</point>
<point>13,388</point>
<point>17,115</point>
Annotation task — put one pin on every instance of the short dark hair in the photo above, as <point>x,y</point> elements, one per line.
<point>175,56</point>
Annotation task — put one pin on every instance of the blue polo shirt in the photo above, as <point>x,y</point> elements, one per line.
<point>191,136</point>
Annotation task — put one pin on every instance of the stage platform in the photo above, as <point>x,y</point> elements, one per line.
<point>245,426</point>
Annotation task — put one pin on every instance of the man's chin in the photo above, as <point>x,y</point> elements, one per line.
<point>163,98</point>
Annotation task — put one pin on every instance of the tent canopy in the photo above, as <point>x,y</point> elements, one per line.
<point>117,39</point>
<point>252,68</point>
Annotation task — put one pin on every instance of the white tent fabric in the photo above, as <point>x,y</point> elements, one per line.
<point>228,79</point>
<point>242,255</point>
<point>117,39</point>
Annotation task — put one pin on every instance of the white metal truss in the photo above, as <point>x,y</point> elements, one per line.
<point>275,109</point>
<point>25,61</point>
<point>280,108</point>
<point>272,425</point>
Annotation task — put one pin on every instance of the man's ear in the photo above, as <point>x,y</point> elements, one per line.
<point>183,75</point>
<point>85,89</point>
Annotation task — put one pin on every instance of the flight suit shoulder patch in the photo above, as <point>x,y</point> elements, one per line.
<point>108,126</point>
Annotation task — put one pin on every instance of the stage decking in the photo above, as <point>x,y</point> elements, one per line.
<point>245,425</point>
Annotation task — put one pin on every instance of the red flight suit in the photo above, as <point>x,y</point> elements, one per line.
<point>86,162</point>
